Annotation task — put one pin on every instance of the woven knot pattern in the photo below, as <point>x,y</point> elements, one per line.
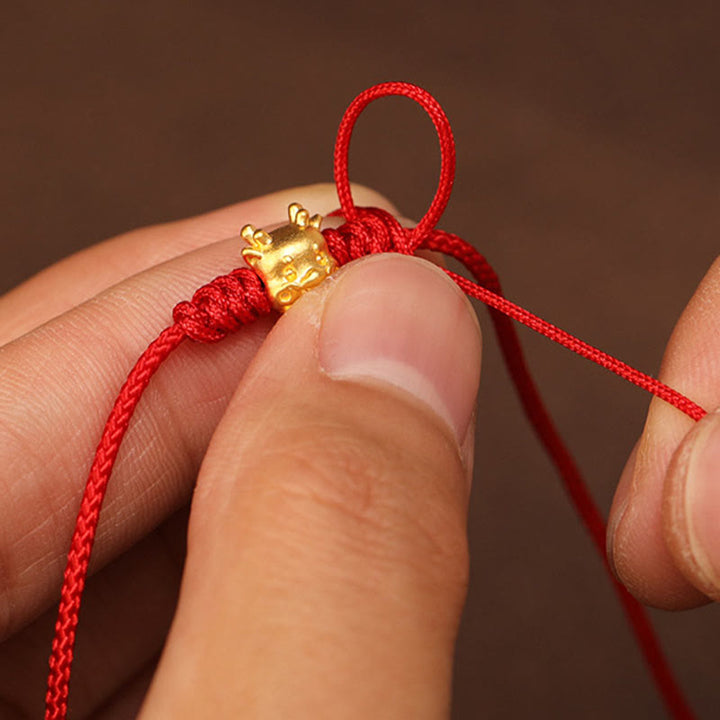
<point>371,231</point>
<point>230,301</point>
<point>223,306</point>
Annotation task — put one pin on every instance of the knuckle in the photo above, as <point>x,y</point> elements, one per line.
<point>19,529</point>
<point>367,196</point>
<point>362,195</point>
<point>342,473</point>
<point>390,503</point>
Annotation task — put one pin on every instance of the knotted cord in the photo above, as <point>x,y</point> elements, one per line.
<point>230,301</point>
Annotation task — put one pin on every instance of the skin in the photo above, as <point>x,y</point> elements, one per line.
<point>651,538</point>
<point>326,504</point>
<point>291,579</point>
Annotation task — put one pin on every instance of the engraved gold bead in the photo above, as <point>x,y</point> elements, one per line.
<point>290,260</point>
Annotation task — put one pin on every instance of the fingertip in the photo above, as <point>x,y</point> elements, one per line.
<point>402,321</point>
<point>619,506</point>
<point>638,550</point>
<point>365,196</point>
<point>691,505</point>
<point>322,197</point>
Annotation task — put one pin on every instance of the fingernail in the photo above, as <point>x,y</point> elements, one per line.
<point>701,497</point>
<point>400,320</point>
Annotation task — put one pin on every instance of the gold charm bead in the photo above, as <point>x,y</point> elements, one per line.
<point>291,259</point>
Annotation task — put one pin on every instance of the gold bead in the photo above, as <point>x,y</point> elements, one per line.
<point>291,259</point>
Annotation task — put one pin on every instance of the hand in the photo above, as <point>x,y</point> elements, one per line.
<point>664,529</point>
<point>326,555</point>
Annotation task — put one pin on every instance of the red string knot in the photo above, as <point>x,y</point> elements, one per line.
<point>371,230</point>
<point>223,306</point>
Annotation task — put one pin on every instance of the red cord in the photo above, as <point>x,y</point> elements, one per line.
<point>87,520</point>
<point>564,462</point>
<point>447,153</point>
<point>233,300</point>
<point>216,309</point>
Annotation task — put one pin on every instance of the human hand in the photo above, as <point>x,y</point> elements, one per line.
<point>663,532</point>
<point>327,560</point>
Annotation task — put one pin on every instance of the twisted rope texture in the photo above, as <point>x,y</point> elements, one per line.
<point>231,301</point>
<point>218,308</point>
<point>383,234</point>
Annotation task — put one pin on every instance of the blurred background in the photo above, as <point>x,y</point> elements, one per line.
<point>588,173</point>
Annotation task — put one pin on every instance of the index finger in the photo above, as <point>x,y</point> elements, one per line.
<point>57,386</point>
<point>83,275</point>
<point>648,553</point>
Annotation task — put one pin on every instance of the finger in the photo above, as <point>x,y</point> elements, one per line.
<point>127,609</point>
<point>89,272</point>
<point>127,702</point>
<point>327,559</point>
<point>653,557</point>
<point>57,385</point>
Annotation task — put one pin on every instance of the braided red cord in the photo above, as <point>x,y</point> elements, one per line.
<point>216,309</point>
<point>488,291</point>
<point>233,300</point>
<point>89,514</point>
<point>346,244</point>
<point>564,462</point>
<point>447,154</point>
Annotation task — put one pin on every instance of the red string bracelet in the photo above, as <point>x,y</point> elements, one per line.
<point>240,297</point>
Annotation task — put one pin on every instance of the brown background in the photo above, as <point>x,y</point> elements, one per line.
<point>588,173</point>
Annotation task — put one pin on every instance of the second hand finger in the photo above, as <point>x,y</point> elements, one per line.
<point>91,271</point>
<point>127,608</point>
<point>651,553</point>
<point>57,385</point>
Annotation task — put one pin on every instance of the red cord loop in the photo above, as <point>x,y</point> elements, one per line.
<point>236,299</point>
<point>223,306</point>
<point>447,153</point>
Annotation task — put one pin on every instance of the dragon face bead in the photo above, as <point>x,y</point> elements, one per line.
<point>291,259</point>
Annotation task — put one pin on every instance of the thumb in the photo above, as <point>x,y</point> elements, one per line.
<point>663,538</point>
<point>690,507</point>
<point>327,554</point>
